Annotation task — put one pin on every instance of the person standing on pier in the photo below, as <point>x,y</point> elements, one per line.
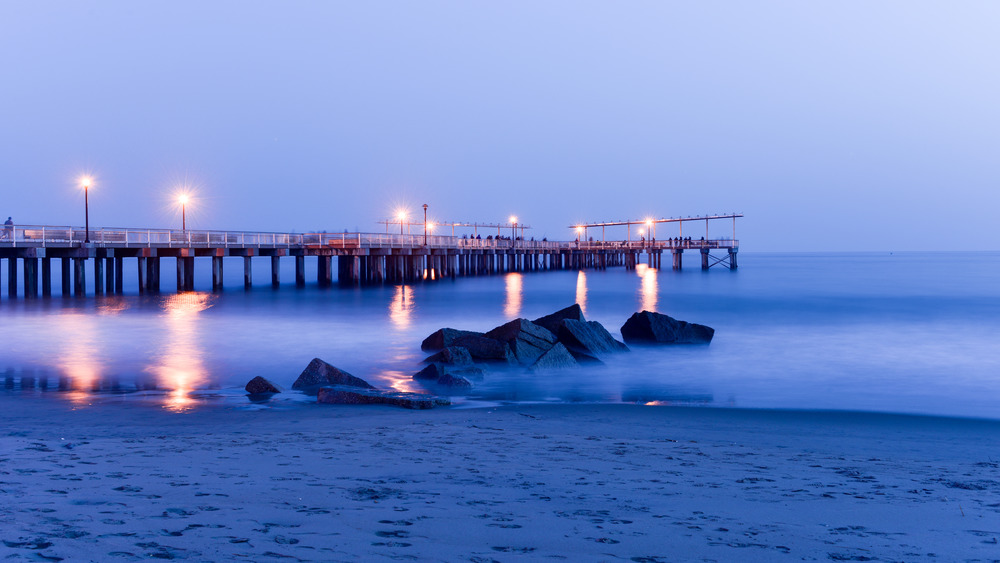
<point>8,229</point>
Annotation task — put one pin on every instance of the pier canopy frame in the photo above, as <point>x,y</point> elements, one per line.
<point>582,228</point>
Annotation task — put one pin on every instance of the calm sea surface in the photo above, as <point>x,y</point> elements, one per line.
<point>903,332</point>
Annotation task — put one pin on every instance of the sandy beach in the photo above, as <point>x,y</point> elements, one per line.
<point>127,481</point>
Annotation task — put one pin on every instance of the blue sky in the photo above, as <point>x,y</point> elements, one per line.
<point>831,125</point>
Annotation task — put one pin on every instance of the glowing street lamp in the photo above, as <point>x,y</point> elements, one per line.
<point>649,228</point>
<point>402,217</point>
<point>513,228</point>
<point>85,182</point>
<point>425,224</point>
<point>183,199</point>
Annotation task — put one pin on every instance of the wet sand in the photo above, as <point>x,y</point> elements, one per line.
<point>126,481</point>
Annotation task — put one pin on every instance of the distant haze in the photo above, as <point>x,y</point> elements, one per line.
<point>831,125</point>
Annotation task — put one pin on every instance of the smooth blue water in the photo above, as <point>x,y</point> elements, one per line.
<point>904,332</point>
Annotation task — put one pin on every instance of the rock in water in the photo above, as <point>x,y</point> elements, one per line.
<point>553,321</point>
<point>655,328</point>
<point>485,349</point>
<point>342,395</point>
<point>588,339</point>
<point>527,341</point>
<point>261,386</point>
<point>444,338</point>
<point>454,355</point>
<point>319,373</point>
<point>558,357</point>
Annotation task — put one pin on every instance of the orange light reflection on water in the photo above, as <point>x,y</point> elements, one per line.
<point>181,365</point>
<point>401,306</point>
<point>649,287</point>
<point>79,361</point>
<point>402,381</point>
<point>581,291</point>
<point>515,291</point>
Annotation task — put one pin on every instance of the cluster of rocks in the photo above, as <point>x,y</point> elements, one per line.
<point>564,339</point>
<point>335,386</point>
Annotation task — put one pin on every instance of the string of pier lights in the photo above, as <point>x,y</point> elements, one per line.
<point>87,182</point>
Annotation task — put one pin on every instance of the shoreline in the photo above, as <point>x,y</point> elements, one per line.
<point>568,481</point>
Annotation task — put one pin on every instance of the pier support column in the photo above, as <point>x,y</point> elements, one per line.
<point>109,275</point>
<point>152,274</point>
<point>704,259</point>
<point>216,273</point>
<point>119,275</point>
<point>64,273</point>
<point>275,271</point>
<point>732,258</point>
<point>79,277</point>
<point>141,272</point>
<point>98,276</point>
<point>181,275</point>
<point>300,271</point>
<point>247,272</point>
<point>324,270</point>
<point>46,277</point>
<point>12,277</point>
<point>189,273</point>
<point>30,278</point>
<point>678,252</point>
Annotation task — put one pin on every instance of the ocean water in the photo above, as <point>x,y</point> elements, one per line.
<point>900,332</point>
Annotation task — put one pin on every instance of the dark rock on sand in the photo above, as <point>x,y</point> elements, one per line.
<point>527,341</point>
<point>486,349</point>
<point>454,355</point>
<point>454,381</point>
<point>552,322</point>
<point>450,376</point>
<point>655,328</point>
<point>444,338</point>
<point>261,386</point>
<point>343,395</point>
<point>557,357</point>
<point>588,339</point>
<point>319,373</point>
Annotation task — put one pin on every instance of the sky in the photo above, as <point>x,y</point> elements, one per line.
<point>830,125</point>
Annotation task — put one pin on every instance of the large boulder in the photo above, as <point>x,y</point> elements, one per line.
<point>453,355</point>
<point>445,337</point>
<point>319,373</point>
<point>527,341</point>
<point>344,395</point>
<point>553,321</point>
<point>589,339</point>
<point>486,349</point>
<point>261,386</point>
<point>655,328</point>
<point>557,357</point>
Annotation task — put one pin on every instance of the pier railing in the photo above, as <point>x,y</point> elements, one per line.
<point>65,236</point>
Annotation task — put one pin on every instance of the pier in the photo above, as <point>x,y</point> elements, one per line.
<point>28,252</point>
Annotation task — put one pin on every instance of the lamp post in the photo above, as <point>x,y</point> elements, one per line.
<point>513,229</point>
<point>649,229</point>
<point>183,199</point>
<point>425,224</point>
<point>86,208</point>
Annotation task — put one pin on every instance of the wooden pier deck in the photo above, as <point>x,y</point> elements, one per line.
<point>362,258</point>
